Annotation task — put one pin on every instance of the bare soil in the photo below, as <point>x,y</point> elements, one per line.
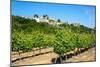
<point>46,58</point>
<point>89,55</point>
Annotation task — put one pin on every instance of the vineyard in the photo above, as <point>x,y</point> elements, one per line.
<point>29,36</point>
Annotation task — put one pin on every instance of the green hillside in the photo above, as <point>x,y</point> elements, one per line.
<point>28,34</point>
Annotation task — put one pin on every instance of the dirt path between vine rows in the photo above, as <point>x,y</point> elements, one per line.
<point>89,55</point>
<point>46,58</point>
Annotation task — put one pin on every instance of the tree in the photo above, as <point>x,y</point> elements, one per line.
<point>45,16</point>
<point>58,20</point>
<point>36,16</point>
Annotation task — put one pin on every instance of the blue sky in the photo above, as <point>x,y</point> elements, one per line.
<point>84,15</point>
